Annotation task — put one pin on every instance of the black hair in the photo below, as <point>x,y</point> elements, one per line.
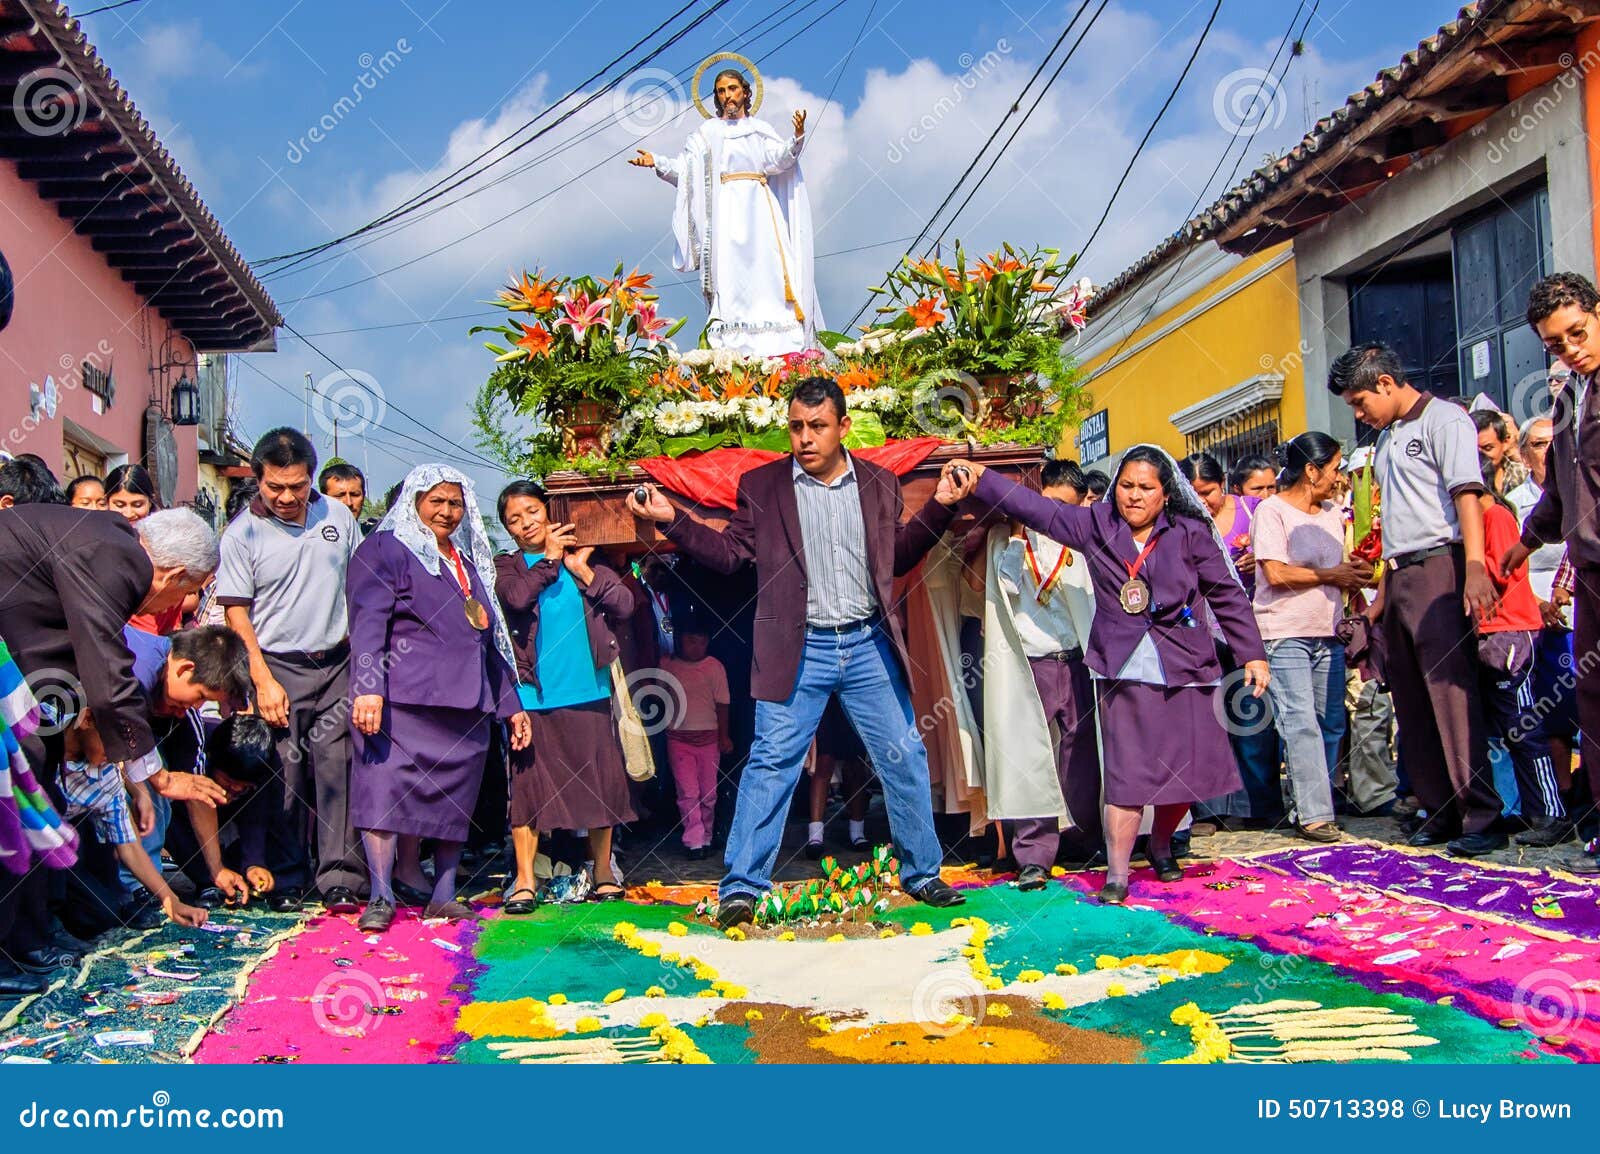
<point>1150,455</point>
<point>813,391</point>
<point>283,448</point>
<point>1054,472</point>
<point>1357,369</point>
<point>79,482</point>
<point>1309,448</point>
<point>28,481</point>
<point>1486,470</point>
<point>1202,467</point>
<point>1097,481</point>
<point>221,661</point>
<point>243,748</point>
<point>1559,290</point>
<point>340,471</point>
<point>522,488</point>
<point>749,93</point>
<point>243,492</point>
<point>132,479</point>
<point>1489,419</point>
<point>1244,466</point>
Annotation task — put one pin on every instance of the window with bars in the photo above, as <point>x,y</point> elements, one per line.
<point>1255,431</point>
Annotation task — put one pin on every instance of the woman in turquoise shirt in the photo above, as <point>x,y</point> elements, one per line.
<point>562,607</point>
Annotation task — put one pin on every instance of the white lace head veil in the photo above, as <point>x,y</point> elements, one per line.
<point>1181,497</point>
<point>469,538</point>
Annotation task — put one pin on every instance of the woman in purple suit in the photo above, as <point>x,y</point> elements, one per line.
<point>1153,559</point>
<point>431,669</point>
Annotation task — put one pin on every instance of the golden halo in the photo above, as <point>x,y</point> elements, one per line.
<point>755,79</point>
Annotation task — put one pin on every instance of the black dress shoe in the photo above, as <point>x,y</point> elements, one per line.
<point>1549,832</point>
<point>379,916</point>
<point>289,900</point>
<point>1032,877</point>
<point>736,910</point>
<point>209,898</point>
<point>814,850</point>
<point>45,959</point>
<point>1114,894</point>
<point>1429,835</point>
<point>940,894</point>
<point>1476,844</point>
<point>408,895</point>
<point>19,985</point>
<point>341,900</point>
<point>1167,869</point>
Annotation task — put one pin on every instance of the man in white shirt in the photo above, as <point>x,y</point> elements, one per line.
<point>1034,574</point>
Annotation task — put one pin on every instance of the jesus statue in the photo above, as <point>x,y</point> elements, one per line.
<point>742,219</point>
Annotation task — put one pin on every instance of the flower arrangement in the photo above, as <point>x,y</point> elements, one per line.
<point>958,352</point>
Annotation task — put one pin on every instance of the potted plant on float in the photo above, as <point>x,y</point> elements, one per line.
<point>979,344</point>
<point>578,353</point>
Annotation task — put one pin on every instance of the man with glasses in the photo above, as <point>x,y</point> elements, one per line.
<point>1564,310</point>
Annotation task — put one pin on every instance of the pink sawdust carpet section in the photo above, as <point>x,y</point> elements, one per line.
<point>1438,942</point>
<point>334,995</point>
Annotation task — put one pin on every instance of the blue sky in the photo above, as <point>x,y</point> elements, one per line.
<point>236,89</point>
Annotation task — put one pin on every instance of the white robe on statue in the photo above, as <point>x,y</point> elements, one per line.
<point>750,239</point>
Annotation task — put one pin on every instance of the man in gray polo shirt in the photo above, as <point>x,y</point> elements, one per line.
<point>282,584</point>
<point>1435,585</point>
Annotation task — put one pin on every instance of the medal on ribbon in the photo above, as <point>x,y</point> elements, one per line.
<point>1044,585</point>
<point>477,612</point>
<point>1135,594</point>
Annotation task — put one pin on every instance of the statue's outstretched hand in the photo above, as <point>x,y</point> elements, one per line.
<point>800,123</point>
<point>643,160</point>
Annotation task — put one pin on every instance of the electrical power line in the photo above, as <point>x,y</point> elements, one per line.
<point>105,8</point>
<point>520,208</point>
<point>409,204</point>
<point>1015,105</point>
<point>749,37</point>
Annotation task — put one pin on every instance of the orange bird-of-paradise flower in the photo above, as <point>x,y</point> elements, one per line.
<point>926,313</point>
<point>852,379</point>
<point>529,294</point>
<point>626,290</point>
<point>536,339</point>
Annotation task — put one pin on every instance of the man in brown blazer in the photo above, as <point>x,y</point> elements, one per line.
<point>69,581</point>
<point>823,530</point>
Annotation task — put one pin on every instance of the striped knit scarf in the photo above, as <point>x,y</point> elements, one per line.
<point>29,825</point>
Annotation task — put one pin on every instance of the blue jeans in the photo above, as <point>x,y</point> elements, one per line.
<point>1307,690</point>
<point>857,666</point>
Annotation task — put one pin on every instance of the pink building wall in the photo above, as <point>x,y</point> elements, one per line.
<point>70,306</point>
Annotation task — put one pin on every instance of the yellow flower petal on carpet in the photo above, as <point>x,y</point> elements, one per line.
<point>1066,969</point>
<point>587,1025</point>
<point>998,1011</point>
<point>677,929</point>
<point>655,992</point>
<point>650,1021</point>
<point>921,929</point>
<point>1031,976</point>
<point>558,999</point>
<point>1116,990</point>
<point>614,996</point>
<point>752,1015</point>
<point>1054,1001</point>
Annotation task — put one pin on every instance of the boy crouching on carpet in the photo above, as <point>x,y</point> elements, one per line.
<point>188,670</point>
<point>222,849</point>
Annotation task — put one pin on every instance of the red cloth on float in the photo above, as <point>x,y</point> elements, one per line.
<point>713,478</point>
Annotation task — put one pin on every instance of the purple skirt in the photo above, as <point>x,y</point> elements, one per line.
<point>1164,746</point>
<point>420,773</point>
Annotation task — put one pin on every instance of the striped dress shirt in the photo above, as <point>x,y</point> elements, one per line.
<point>833,538</point>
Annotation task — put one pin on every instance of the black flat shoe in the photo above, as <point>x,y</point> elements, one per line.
<point>209,898</point>
<point>1477,844</point>
<point>18,985</point>
<point>607,892</point>
<point>341,900</point>
<point>736,910</point>
<point>940,894</point>
<point>1114,894</point>
<point>1429,836</point>
<point>1032,878</point>
<point>408,895</point>
<point>860,843</point>
<point>520,907</point>
<point>1167,869</point>
<point>1551,832</point>
<point>45,959</point>
<point>286,901</point>
<point>814,850</point>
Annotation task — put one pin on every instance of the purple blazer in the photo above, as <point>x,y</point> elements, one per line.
<point>773,543</point>
<point>607,602</point>
<point>410,640</point>
<point>1185,569</point>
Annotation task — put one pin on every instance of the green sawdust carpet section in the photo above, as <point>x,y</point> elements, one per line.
<point>550,981</point>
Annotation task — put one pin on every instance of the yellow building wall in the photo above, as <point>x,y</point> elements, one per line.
<point>1254,331</point>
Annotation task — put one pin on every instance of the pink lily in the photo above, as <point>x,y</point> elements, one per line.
<point>582,314</point>
<point>648,325</point>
